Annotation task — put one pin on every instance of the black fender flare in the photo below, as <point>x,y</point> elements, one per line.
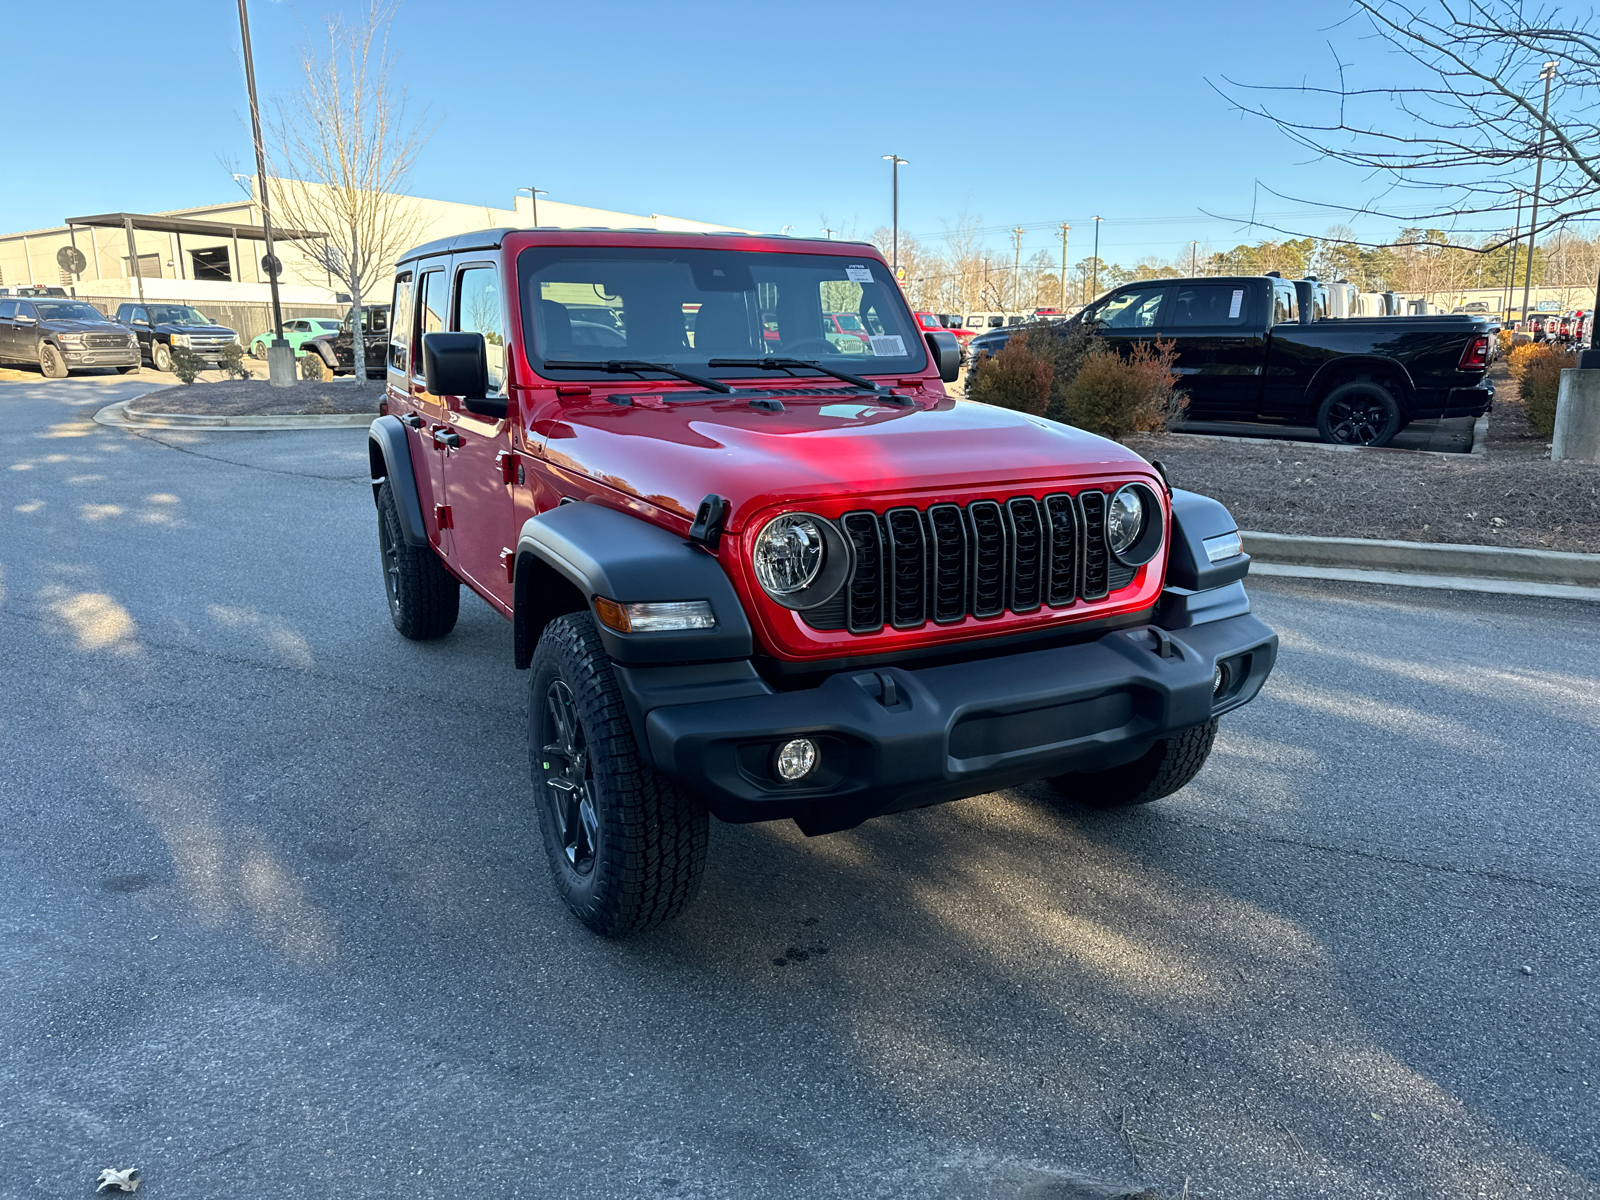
<point>1348,365</point>
<point>389,457</point>
<point>1194,519</point>
<point>574,552</point>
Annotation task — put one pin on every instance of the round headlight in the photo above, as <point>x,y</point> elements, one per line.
<point>1124,520</point>
<point>789,554</point>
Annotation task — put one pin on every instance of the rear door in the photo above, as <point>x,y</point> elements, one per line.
<point>1220,332</point>
<point>429,418</point>
<point>481,469</point>
<point>8,314</point>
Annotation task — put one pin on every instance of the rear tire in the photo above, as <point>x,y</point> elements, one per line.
<point>161,356</point>
<point>1360,413</point>
<point>1163,769</point>
<point>424,598</point>
<point>626,847</point>
<point>51,364</point>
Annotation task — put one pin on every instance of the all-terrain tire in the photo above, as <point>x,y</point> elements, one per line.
<point>424,598</point>
<point>1163,769</point>
<point>51,364</point>
<point>635,856</point>
<point>1359,413</point>
<point>161,356</point>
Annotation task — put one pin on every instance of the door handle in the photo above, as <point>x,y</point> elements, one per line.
<point>446,437</point>
<point>411,419</point>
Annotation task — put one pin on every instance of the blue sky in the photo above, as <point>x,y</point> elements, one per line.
<point>755,115</point>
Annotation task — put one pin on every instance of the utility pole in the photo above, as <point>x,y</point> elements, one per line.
<point>1094,289</point>
<point>828,233</point>
<point>897,162</point>
<point>1016,271</point>
<point>535,193</point>
<point>1547,74</point>
<point>1065,229</point>
<point>280,358</point>
<point>1193,248</point>
<point>1516,242</point>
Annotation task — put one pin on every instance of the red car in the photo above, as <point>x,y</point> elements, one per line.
<point>849,324</point>
<point>747,580</point>
<point>933,322</point>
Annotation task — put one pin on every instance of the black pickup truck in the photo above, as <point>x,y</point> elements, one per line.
<point>1250,349</point>
<point>162,326</point>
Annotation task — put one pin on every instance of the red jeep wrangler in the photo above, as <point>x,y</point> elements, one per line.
<point>761,579</point>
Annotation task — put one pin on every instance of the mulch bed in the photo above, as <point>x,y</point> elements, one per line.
<point>257,398</point>
<point>1512,496</point>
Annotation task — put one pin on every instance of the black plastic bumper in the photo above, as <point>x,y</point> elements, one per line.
<point>892,739</point>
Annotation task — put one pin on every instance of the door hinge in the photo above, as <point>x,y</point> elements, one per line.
<point>442,517</point>
<point>508,560</point>
<point>509,466</point>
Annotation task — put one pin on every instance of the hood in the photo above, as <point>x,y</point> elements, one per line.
<point>55,326</point>
<point>843,445</point>
<point>174,327</point>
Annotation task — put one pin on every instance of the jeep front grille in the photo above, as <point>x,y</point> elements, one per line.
<point>946,563</point>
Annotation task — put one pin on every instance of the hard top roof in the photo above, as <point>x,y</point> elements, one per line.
<point>491,239</point>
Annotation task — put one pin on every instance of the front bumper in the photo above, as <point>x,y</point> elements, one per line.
<point>101,356</point>
<point>892,739</point>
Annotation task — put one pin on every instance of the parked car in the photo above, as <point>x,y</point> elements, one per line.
<point>1251,348</point>
<point>337,350</point>
<point>296,332</point>
<point>845,325</point>
<point>749,581</point>
<point>160,327</point>
<point>63,335</point>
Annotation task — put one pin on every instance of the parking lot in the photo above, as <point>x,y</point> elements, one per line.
<point>275,917</point>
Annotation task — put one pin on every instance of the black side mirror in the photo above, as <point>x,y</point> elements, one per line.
<point>946,353</point>
<point>457,364</point>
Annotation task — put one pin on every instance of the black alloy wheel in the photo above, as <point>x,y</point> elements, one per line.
<point>424,598</point>
<point>569,780</point>
<point>1362,413</point>
<point>51,364</point>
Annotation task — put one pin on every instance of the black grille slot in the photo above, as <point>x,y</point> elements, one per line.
<point>988,529</point>
<point>1061,581</point>
<point>1096,559</point>
<point>1120,576</point>
<point>908,569</point>
<point>864,606</point>
<point>1028,549</point>
<point>947,561</point>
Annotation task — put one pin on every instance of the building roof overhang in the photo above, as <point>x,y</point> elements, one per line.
<point>154,223</point>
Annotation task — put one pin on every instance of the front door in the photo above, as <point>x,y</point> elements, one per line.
<point>1221,345</point>
<point>481,469</point>
<point>1131,316</point>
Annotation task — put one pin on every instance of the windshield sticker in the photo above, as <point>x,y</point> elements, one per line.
<point>858,274</point>
<point>1238,301</point>
<point>889,347</point>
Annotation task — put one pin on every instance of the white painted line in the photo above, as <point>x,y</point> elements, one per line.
<point>1449,583</point>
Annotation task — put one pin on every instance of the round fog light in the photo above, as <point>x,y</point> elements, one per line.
<point>1219,680</point>
<point>796,759</point>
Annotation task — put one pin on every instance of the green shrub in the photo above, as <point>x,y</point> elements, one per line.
<point>186,364</point>
<point>231,361</point>
<point>1540,387</point>
<point>311,365</point>
<point>1013,387</point>
<point>1015,378</point>
<point>1116,396</point>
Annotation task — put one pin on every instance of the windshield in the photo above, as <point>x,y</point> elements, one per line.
<point>688,306</point>
<point>177,314</point>
<point>67,312</point>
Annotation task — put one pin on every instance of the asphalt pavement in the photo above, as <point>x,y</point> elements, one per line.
<point>274,915</point>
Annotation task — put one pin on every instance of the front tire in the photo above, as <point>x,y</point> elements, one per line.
<point>1163,769</point>
<point>1362,413</point>
<point>626,847</point>
<point>424,598</point>
<point>161,356</point>
<point>51,364</point>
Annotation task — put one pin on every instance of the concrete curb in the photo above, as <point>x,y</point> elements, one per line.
<point>1480,435</point>
<point>1422,564</point>
<point>117,416</point>
<point>1459,455</point>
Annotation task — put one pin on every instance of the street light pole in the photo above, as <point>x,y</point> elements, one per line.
<point>1516,243</point>
<point>1065,229</point>
<point>1094,288</point>
<point>280,358</point>
<point>1547,74</point>
<point>897,162</point>
<point>535,193</point>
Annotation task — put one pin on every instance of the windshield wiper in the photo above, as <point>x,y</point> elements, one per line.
<point>634,366</point>
<point>787,364</point>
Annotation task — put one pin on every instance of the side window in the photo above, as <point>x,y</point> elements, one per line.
<point>1136,308</point>
<point>429,313</point>
<point>377,321</point>
<point>399,343</point>
<point>24,309</point>
<point>1208,304</point>
<point>479,310</point>
<point>140,314</point>
<point>8,309</point>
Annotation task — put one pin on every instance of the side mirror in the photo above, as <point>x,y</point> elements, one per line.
<point>457,364</point>
<point>946,353</point>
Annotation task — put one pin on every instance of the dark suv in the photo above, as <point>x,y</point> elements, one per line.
<point>60,335</point>
<point>338,349</point>
<point>160,327</point>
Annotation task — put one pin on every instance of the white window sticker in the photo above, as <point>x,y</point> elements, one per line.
<point>858,274</point>
<point>1238,302</point>
<point>889,347</point>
